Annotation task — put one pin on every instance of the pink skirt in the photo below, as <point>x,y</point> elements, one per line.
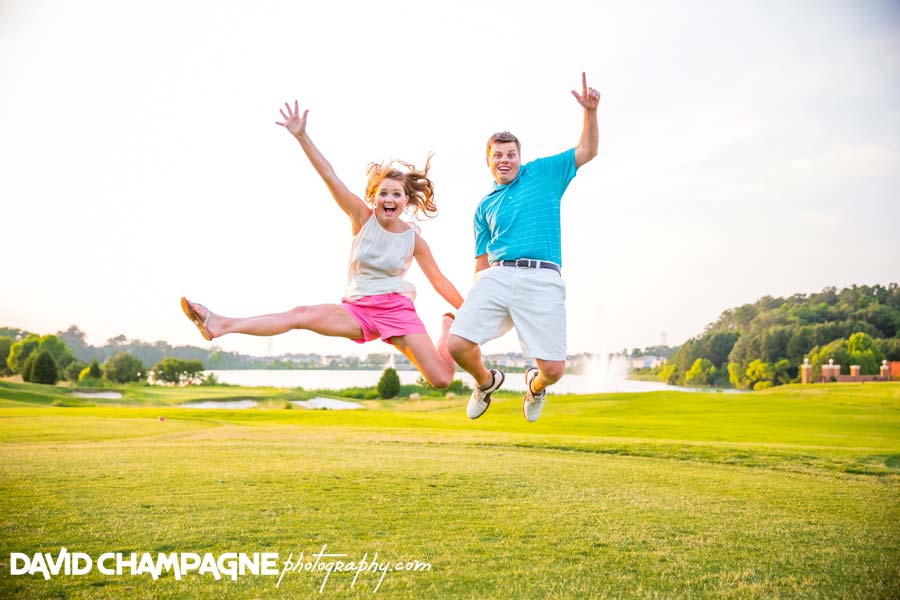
<point>384,316</point>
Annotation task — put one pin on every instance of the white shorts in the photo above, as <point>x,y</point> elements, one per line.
<point>531,300</point>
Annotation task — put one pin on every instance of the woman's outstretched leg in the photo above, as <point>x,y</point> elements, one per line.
<point>324,319</point>
<point>433,361</point>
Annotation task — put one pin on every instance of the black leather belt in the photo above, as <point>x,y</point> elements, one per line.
<point>527,263</point>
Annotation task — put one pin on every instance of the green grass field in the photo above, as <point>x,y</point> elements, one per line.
<point>792,492</point>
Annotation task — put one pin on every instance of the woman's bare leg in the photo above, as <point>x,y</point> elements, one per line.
<point>434,363</point>
<point>324,319</point>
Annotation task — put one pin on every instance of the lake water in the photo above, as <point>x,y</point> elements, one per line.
<point>325,379</point>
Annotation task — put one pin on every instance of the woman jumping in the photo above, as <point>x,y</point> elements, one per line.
<point>378,302</point>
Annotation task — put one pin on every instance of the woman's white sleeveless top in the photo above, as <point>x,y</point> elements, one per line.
<point>379,259</point>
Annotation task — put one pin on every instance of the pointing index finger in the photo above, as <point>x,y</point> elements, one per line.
<point>584,84</point>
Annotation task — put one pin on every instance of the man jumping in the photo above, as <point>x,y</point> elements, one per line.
<point>518,259</point>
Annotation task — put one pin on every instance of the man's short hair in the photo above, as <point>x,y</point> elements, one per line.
<point>502,137</point>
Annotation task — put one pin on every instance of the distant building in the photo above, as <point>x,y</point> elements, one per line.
<point>401,362</point>
<point>331,358</point>
<point>509,359</point>
<point>646,362</point>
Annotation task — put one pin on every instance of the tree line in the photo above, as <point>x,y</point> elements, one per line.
<point>120,357</point>
<point>763,344</point>
<point>47,359</point>
<point>150,353</point>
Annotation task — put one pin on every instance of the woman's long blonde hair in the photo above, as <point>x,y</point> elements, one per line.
<point>416,184</point>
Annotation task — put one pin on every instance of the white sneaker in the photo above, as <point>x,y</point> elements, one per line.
<point>532,403</point>
<point>480,399</point>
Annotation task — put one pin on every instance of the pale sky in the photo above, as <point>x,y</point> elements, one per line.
<point>746,148</point>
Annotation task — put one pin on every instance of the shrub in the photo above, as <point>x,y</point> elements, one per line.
<point>73,370</point>
<point>26,369</point>
<point>702,372</point>
<point>208,379</point>
<point>44,369</point>
<point>94,370</point>
<point>668,374</point>
<point>424,388</point>
<point>358,393</point>
<point>91,376</point>
<point>389,384</point>
<point>736,376</point>
<point>459,388</point>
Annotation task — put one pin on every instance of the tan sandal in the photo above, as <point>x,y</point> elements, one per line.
<point>192,314</point>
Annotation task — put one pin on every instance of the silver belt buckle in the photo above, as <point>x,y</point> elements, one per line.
<point>523,263</point>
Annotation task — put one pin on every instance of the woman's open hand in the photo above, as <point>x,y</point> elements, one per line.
<point>293,121</point>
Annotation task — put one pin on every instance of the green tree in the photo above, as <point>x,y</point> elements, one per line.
<point>718,346</point>
<point>44,369</point>
<point>860,342</point>
<point>702,372</point>
<point>746,348</point>
<point>76,340</point>
<point>668,373</point>
<point>176,370</point>
<point>13,332</point>
<point>781,372</point>
<point>818,313</point>
<point>835,350</point>
<point>124,368</point>
<point>883,317</point>
<point>27,370</point>
<point>801,342</point>
<point>19,351</point>
<point>774,342</point>
<point>61,354</point>
<point>863,352</point>
<point>73,370</point>
<point>6,343</point>
<point>738,319</point>
<point>687,353</point>
<point>760,374</point>
<point>889,348</point>
<point>94,370</point>
<point>389,384</point>
<point>737,376</point>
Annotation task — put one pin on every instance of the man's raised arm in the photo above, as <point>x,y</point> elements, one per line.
<point>589,98</point>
